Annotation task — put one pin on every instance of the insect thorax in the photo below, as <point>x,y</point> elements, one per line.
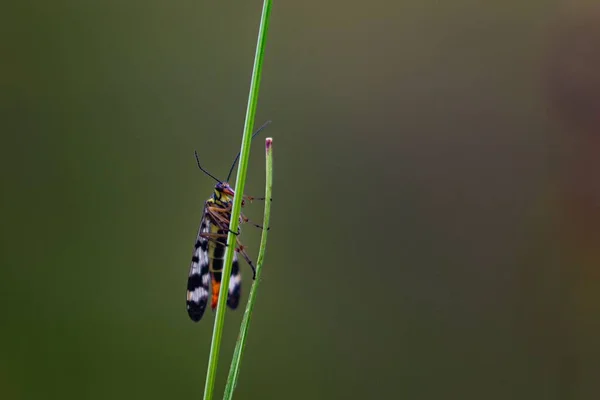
<point>221,198</point>
<point>222,202</point>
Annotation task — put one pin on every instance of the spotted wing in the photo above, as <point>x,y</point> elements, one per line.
<point>199,277</point>
<point>235,284</point>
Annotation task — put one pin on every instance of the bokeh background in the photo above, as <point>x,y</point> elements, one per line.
<point>435,224</point>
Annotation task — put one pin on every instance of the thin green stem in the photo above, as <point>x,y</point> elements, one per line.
<point>215,345</point>
<point>234,370</point>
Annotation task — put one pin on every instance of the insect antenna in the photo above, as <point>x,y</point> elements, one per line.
<point>202,169</point>
<point>238,155</point>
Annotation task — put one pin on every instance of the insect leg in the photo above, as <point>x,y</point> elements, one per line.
<point>242,250</point>
<point>252,198</point>
<point>212,237</point>
<point>221,220</point>
<point>247,220</point>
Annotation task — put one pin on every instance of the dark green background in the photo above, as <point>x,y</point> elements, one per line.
<point>410,254</point>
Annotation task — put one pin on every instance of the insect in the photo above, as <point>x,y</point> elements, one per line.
<point>208,256</point>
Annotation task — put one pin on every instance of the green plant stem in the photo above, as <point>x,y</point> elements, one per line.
<point>234,370</point>
<point>215,344</point>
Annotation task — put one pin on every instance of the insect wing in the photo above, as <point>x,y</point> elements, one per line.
<point>199,276</point>
<point>235,284</point>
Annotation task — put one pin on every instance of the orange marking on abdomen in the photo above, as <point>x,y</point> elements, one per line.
<point>216,286</point>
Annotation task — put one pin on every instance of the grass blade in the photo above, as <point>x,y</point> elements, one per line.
<point>215,344</point>
<point>234,370</point>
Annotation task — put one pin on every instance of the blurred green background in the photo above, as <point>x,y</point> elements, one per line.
<point>412,254</point>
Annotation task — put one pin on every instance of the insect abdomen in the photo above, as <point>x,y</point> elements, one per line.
<point>217,255</point>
